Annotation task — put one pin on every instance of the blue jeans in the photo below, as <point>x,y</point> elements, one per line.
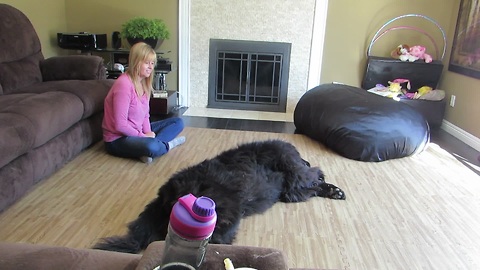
<point>135,147</point>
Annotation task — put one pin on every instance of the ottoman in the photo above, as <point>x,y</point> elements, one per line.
<point>360,125</point>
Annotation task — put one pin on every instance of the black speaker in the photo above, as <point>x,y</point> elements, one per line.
<point>116,40</point>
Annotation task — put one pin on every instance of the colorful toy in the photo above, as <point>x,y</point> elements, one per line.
<point>411,54</point>
<point>434,95</point>
<point>402,52</point>
<point>403,81</point>
<point>420,53</point>
<point>422,91</point>
<point>394,90</point>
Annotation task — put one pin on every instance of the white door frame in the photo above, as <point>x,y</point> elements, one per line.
<point>184,52</point>
<point>318,39</point>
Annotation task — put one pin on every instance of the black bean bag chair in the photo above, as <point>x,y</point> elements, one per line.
<point>360,125</point>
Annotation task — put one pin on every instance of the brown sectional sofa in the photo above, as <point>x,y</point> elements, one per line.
<point>15,256</point>
<point>50,109</point>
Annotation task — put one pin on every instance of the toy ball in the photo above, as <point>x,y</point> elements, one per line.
<point>119,67</point>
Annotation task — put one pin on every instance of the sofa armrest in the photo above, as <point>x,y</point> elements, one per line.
<point>73,67</point>
<point>242,256</point>
<point>21,256</point>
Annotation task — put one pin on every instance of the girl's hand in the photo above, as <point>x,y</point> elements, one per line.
<point>150,134</point>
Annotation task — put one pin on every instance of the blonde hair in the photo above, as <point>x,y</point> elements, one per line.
<point>139,53</point>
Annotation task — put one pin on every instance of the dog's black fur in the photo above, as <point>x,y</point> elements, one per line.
<point>242,181</point>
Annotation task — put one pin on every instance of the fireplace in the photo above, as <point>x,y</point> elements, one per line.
<point>248,75</point>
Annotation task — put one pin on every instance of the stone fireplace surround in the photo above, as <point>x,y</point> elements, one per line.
<point>248,75</point>
<point>300,23</point>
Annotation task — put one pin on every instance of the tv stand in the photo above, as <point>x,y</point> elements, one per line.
<point>163,67</point>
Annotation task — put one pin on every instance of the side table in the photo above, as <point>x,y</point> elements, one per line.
<point>163,105</point>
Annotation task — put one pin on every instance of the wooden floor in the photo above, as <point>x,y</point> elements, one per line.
<point>419,212</point>
<point>464,153</point>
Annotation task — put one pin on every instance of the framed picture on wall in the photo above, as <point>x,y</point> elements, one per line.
<point>465,56</point>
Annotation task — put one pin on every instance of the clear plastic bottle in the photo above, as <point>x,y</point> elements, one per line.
<point>192,222</point>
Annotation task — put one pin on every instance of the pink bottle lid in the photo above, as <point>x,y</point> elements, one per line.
<point>193,218</point>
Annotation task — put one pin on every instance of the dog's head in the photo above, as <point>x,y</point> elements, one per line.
<point>316,179</point>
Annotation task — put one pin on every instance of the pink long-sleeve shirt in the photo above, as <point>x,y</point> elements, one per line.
<point>125,114</point>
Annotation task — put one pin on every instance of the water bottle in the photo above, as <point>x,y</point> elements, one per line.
<point>192,222</point>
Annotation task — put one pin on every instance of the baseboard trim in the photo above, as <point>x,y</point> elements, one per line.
<point>461,134</point>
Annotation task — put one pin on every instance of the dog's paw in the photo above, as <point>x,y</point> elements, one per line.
<point>337,194</point>
<point>330,191</point>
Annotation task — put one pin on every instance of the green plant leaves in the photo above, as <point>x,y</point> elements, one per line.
<point>141,27</point>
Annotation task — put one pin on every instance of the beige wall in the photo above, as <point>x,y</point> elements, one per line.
<point>48,18</point>
<point>104,17</point>
<point>52,16</point>
<point>350,27</point>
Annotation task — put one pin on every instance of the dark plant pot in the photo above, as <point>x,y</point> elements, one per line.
<point>153,42</point>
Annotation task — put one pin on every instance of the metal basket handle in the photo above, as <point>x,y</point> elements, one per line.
<point>380,33</point>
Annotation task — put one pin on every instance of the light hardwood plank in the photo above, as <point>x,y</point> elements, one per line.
<point>420,212</point>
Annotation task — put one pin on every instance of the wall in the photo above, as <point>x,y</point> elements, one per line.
<point>467,91</point>
<point>350,27</point>
<point>104,17</point>
<point>48,18</point>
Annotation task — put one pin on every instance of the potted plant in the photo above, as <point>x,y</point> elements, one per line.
<point>150,31</point>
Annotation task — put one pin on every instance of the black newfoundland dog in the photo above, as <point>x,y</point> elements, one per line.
<point>242,181</point>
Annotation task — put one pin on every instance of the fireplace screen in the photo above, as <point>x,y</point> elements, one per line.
<point>248,75</point>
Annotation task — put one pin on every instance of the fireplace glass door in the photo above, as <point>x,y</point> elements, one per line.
<point>250,78</point>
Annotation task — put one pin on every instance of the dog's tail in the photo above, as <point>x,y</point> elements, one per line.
<point>125,244</point>
<point>151,225</point>
<point>141,232</point>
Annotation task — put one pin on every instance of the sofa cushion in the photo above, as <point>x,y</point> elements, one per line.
<point>30,120</point>
<point>73,67</point>
<point>91,92</point>
<point>20,73</point>
<point>36,256</point>
<point>28,256</point>
<point>241,256</point>
<point>17,138</point>
<point>20,50</point>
